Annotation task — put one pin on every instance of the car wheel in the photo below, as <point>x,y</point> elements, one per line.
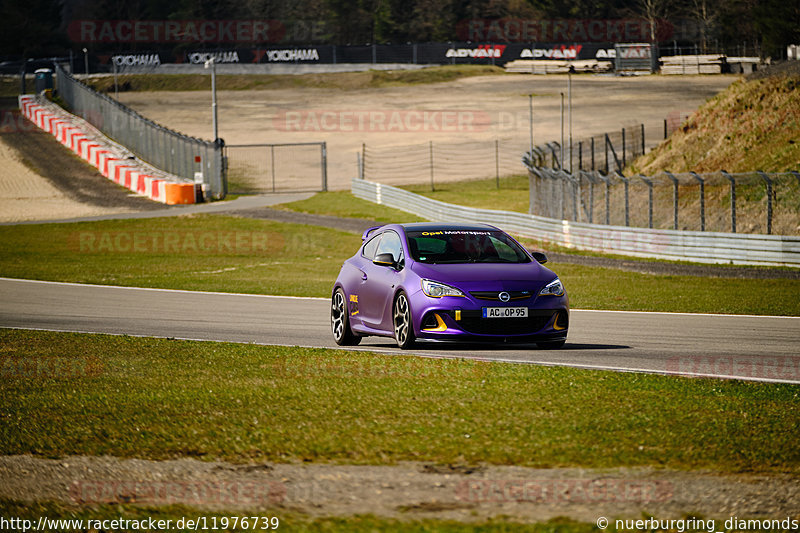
<point>551,345</point>
<point>403,327</point>
<point>340,321</point>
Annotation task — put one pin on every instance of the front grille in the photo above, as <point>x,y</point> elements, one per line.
<point>473,322</point>
<point>495,295</point>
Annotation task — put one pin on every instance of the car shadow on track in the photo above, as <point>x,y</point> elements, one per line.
<point>486,347</point>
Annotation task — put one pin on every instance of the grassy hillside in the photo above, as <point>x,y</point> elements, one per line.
<point>752,125</point>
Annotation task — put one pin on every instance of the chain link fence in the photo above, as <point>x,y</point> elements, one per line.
<point>607,152</point>
<point>267,168</point>
<point>441,162</point>
<point>755,202</point>
<point>165,149</point>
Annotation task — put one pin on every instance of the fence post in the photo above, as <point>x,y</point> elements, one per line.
<point>674,199</point>
<point>665,128</point>
<point>580,155</point>
<point>531,191</point>
<point>624,150</point>
<point>593,168</point>
<point>363,160</point>
<point>649,183</point>
<point>625,182</point>
<point>556,162</point>
<point>575,185</point>
<point>272,164</point>
<point>702,200</point>
<point>324,163</point>
<point>431,153</point>
<point>768,183</point>
<point>497,161</point>
<point>359,166</point>
<point>733,200</point>
<point>643,148</point>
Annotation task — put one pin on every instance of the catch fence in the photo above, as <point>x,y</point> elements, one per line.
<point>170,151</point>
<point>608,151</point>
<point>268,168</point>
<point>438,162</point>
<point>755,202</point>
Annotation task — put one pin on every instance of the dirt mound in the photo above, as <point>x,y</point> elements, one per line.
<point>752,125</point>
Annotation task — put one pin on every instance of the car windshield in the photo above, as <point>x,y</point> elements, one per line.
<point>464,246</point>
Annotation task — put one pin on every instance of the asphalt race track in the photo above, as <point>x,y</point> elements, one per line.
<point>748,347</point>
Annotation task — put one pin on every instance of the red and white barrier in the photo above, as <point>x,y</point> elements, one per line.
<point>102,155</point>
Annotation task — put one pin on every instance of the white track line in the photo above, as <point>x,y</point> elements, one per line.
<point>182,291</point>
<point>384,351</point>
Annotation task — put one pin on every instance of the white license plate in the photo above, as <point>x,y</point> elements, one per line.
<point>505,312</point>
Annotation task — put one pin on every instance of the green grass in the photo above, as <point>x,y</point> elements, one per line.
<point>344,204</point>
<point>606,288</point>
<point>512,195</point>
<point>299,260</point>
<point>68,393</point>
<point>370,79</point>
<point>288,520</point>
<point>240,255</point>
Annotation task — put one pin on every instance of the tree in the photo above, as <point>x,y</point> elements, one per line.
<point>778,23</point>
<point>706,12</point>
<point>653,12</point>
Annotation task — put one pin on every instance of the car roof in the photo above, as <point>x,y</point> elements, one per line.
<point>435,226</point>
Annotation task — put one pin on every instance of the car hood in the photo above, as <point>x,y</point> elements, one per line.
<point>489,276</point>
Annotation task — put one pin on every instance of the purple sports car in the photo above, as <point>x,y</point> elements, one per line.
<point>447,282</point>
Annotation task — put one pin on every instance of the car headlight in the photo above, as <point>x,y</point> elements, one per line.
<point>554,288</point>
<point>434,289</point>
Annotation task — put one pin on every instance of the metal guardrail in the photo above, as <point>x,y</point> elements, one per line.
<point>165,149</point>
<point>702,247</point>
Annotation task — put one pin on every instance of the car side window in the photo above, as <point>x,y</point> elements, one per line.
<point>390,244</point>
<point>504,251</point>
<point>370,247</point>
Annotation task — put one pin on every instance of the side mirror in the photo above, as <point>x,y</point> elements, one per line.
<point>384,259</point>
<point>540,257</point>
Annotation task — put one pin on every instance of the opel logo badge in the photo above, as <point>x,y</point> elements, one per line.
<point>504,296</point>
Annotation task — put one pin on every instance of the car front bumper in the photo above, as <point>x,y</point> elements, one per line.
<point>456,318</point>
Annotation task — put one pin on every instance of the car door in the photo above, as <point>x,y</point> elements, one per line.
<point>357,287</point>
<point>379,286</point>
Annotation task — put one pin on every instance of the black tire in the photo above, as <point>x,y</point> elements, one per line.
<point>551,345</point>
<point>340,321</point>
<point>402,320</point>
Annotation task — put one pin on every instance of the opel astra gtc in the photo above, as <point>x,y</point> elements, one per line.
<point>447,282</point>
